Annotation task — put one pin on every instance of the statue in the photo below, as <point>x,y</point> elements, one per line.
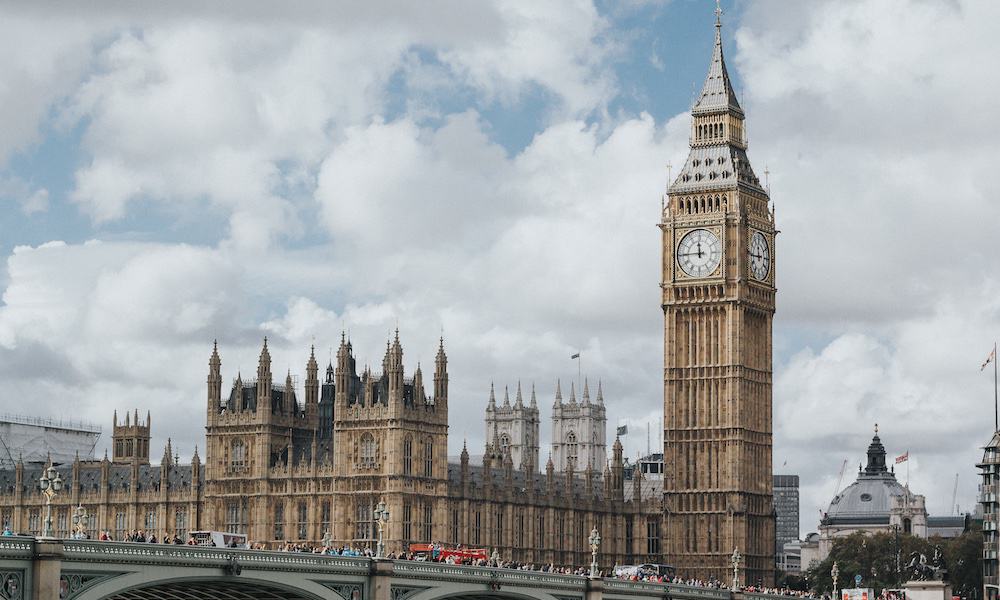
<point>918,567</point>
<point>938,565</point>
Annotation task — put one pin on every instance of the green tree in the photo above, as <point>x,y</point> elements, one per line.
<point>964,558</point>
<point>873,556</point>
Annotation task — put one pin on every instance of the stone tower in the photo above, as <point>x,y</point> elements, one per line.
<point>130,439</point>
<point>515,428</point>
<point>252,437</point>
<point>579,430</point>
<point>718,303</point>
<point>391,435</point>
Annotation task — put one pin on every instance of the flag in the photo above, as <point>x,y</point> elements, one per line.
<point>992,357</point>
<point>577,355</point>
<point>903,457</point>
<point>622,429</point>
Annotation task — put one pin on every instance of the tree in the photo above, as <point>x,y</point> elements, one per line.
<point>873,556</point>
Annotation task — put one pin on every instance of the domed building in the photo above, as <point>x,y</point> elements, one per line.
<point>874,502</point>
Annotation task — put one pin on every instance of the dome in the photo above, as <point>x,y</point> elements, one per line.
<point>868,498</point>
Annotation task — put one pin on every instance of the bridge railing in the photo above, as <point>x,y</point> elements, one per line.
<point>98,551</point>
<point>432,570</point>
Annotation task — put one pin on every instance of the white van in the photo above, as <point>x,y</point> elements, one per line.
<point>220,539</point>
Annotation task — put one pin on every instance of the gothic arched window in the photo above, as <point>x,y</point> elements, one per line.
<point>366,457</point>
<point>504,442</point>
<point>429,458</point>
<point>238,457</point>
<point>407,455</point>
<point>571,447</point>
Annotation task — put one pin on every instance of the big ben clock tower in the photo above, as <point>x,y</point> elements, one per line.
<point>718,303</point>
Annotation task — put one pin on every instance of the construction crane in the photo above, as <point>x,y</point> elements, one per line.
<point>954,496</point>
<point>840,478</point>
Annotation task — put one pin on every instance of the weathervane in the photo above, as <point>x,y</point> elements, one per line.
<point>718,12</point>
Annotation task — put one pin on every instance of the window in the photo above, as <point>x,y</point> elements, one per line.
<point>150,521</point>
<point>237,513</point>
<point>476,527</point>
<point>180,522</point>
<point>519,531</point>
<point>629,539</point>
<point>428,458</point>
<point>653,539</point>
<point>324,520</point>
<point>407,455</point>
<point>303,521</point>
<point>364,529</point>
<point>540,531</point>
<point>454,526</point>
<point>367,451</point>
<point>279,521</point>
<point>504,442</point>
<point>407,522</point>
<point>34,523</point>
<point>907,526</point>
<point>571,449</point>
<point>62,524</point>
<point>238,458</point>
<point>498,527</point>
<point>120,526</point>
<point>428,522</point>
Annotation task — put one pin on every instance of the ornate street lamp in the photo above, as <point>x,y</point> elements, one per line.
<point>51,483</point>
<point>835,573</point>
<point>595,543</point>
<point>736,568</point>
<point>81,519</point>
<point>381,518</point>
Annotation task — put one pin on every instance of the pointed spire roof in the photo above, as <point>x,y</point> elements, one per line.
<point>572,393</point>
<point>586,392</point>
<point>506,397</point>
<point>519,401</point>
<point>558,392</point>
<point>717,94</point>
<point>600,393</point>
<point>493,398</point>
<point>534,401</point>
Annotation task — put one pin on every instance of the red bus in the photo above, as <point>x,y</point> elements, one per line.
<point>439,552</point>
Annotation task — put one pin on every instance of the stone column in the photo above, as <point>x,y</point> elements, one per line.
<point>381,580</point>
<point>594,589</point>
<point>46,569</point>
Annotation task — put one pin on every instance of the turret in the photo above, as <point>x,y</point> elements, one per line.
<point>288,404</point>
<point>441,375</point>
<point>558,402</point>
<point>618,468</point>
<point>586,392</point>
<point>312,390</point>
<point>214,383</point>
<point>394,368</point>
<point>264,382</point>
<point>572,393</point>
<point>491,406</point>
<point>600,393</point>
<point>534,401</point>
<point>519,402</point>
<point>506,398</point>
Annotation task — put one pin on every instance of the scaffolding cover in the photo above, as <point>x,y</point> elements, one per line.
<point>34,439</point>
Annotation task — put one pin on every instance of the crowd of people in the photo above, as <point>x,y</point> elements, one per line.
<point>494,560</point>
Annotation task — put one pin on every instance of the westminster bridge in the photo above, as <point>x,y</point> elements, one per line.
<point>46,569</point>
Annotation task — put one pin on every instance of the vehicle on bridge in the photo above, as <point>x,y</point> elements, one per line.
<point>646,570</point>
<point>438,552</point>
<point>219,539</point>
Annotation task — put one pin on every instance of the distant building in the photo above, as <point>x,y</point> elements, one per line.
<point>790,558</point>
<point>37,440</point>
<point>988,500</point>
<point>877,502</point>
<point>579,431</point>
<point>786,508</point>
<point>514,428</point>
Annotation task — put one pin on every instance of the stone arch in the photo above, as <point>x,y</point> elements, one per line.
<point>476,592</point>
<point>146,585</point>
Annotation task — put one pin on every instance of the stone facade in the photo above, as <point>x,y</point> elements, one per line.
<point>514,428</point>
<point>277,471</point>
<point>579,430</point>
<point>718,282</point>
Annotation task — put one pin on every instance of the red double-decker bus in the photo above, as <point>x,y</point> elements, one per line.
<point>439,552</point>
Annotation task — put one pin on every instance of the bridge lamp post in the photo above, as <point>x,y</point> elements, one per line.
<point>835,573</point>
<point>50,483</point>
<point>381,518</point>
<point>595,543</point>
<point>736,558</point>
<point>81,519</point>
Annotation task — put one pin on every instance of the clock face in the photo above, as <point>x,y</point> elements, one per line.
<point>760,256</point>
<point>699,253</point>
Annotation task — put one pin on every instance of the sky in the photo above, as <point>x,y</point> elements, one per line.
<point>172,174</point>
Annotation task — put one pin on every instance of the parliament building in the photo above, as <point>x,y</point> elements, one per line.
<point>310,468</point>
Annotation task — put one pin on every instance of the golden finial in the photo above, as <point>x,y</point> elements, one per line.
<point>876,428</point>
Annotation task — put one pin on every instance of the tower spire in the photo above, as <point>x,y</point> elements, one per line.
<point>717,92</point>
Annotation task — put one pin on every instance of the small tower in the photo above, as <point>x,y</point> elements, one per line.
<point>514,428</point>
<point>579,430</point>
<point>130,440</point>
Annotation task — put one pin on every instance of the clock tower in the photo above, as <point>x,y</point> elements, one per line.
<point>718,304</point>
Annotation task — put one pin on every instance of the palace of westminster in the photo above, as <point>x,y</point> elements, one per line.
<point>279,466</point>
